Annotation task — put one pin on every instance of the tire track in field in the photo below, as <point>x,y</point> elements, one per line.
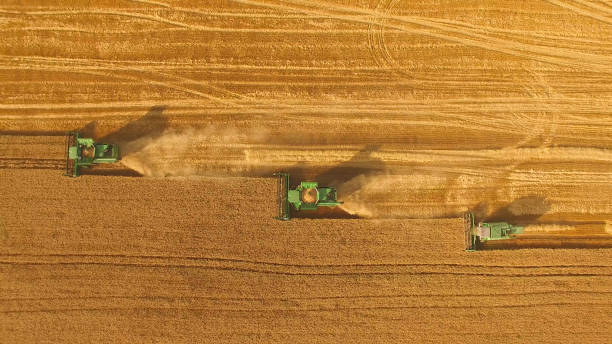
<point>143,75</point>
<point>243,15</point>
<point>549,131</point>
<point>151,2</point>
<point>83,31</point>
<point>295,298</point>
<point>304,273</point>
<point>25,163</point>
<point>392,111</point>
<point>603,7</point>
<point>427,22</point>
<point>84,69</point>
<point>175,24</point>
<point>296,303</point>
<point>182,25</point>
<point>535,36</point>
<point>310,270</point>
<point>318,309</point>
<point>113,65</point>
<point>194,11</point>
<point>556,56</point>
<point>587,13</point>
<point>187,259</point>
<point>209,29</point>
<point>110,13</point>
<point>377,41</point>
<point>32,152</point>
<point>379,54</point>
<point>545,123</point>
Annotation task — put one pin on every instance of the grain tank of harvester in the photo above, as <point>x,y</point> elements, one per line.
<point>477,235</point>
<point>84,152</point>
<point>306,196</point>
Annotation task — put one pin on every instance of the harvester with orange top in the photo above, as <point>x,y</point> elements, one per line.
<point>306,196</point>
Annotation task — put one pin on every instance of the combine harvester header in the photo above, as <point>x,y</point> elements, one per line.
<point>306,196</point>
<point>84,152</point>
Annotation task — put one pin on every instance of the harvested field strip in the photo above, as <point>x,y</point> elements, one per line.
<point>100,257</point>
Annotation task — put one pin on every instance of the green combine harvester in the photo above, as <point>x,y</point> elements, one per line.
<point>476,236</point>
<point>306,196</point>
<point>84,152</point>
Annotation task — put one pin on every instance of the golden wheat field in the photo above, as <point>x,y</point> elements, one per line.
<point>417,111</point>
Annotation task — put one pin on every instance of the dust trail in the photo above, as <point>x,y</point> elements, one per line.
<point>172,152</point>
<point>594,230</point>
<point>532,205</point>
<point>358,192</point>
<point>543,228</point>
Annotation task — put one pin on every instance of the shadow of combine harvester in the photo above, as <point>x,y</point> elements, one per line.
<point>152,125</point>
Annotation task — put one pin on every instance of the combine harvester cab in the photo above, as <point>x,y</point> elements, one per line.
<point>84,152</point>
<point>306,196</point>
<point>476,236</point>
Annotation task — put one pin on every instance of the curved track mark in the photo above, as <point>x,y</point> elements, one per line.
<point>557,56</point>
<point>581,11</point>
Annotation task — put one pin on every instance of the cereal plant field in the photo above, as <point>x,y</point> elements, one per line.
<point>417,111</point>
